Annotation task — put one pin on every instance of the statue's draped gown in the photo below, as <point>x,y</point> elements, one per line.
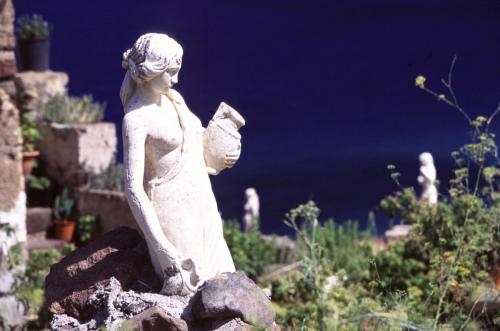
<point>185,204</point>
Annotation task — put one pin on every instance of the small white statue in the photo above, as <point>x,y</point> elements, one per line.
<point>166,177</point>
<point>427,179</point>
<point>251,207</point>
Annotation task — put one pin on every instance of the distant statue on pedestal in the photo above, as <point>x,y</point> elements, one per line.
<point>251,207</point>
<point>166,151</point>
<point>427,179</point>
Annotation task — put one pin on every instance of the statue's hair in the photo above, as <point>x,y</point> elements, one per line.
<point>151,55</point>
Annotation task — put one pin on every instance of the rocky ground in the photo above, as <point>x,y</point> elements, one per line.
<point>111,283</point>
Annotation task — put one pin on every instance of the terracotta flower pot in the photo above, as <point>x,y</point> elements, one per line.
<point>28,158</point>
<point>64,229</point>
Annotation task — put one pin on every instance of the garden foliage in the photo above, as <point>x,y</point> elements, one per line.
<point>436,279</point>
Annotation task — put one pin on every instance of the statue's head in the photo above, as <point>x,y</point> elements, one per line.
<point>250,192</point>
<point>426,158</point>
<point>155,59</point>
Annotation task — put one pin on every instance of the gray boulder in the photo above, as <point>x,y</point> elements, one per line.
<point>230,295</point>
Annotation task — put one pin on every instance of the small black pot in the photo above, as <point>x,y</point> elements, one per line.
<point>34,54</point>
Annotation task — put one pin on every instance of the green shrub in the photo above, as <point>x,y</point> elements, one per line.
<point>111,179</point>
<point>250,252</point>
<point>32,27</point>
<point>29,132</point>
<point>30,283</point>
<point>72,110</point>
<point>87,228</point>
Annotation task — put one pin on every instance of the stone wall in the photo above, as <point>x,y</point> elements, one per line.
<point>34,88</point>
<point>12,196</point>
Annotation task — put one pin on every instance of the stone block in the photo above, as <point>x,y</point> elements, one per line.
<point>42,243</point>
<point>38,219</point>
<point>34,87</point>
<point>7,64</point>
<point>70,152</point>
<point>110,207</point>
<point>121,253</point>
<point>7,39</point>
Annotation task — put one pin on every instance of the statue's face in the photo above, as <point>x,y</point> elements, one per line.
<point>163,82</point>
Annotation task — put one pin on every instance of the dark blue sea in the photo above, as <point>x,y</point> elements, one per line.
<point>327,87</point>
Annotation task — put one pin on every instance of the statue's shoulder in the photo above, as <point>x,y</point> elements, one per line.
<point>135,116</point>
<point>177,96</point>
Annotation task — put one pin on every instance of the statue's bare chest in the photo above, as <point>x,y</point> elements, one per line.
<point>164,129</point>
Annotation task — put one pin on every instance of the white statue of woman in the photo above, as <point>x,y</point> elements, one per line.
<point>166,179</point>
<point>427,179</point>
<point>251,207</point>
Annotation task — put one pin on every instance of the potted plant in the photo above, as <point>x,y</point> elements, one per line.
<point>33,42</point>
<point>30,135</point>
<point>87,228</point>
<point>63,205</point>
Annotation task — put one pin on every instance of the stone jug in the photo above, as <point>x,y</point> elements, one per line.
<point>221,137</point>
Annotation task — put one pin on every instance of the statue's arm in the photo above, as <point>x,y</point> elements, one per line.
<point>429,173</point>
<point>134,139</point>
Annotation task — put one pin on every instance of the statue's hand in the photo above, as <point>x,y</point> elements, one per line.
<point>181,278</point>
<point>232,157</point>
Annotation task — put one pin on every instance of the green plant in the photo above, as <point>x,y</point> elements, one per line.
<point>63,205</point>
<point>29,132</point>
<point>250,252</point>
<point>14,257</point>
<point>72,110</point>
<point>38,182</point>
<point>111,179</point>
<point>86,227</point>
<point>32,27</point>
<point>30,283</point>
<point>453,244</point>
<point>68,248</point>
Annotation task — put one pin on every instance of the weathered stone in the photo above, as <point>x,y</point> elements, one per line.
<point>9,87</point>
<point>7,64</point>
<point>44,243</point>
<point>34,87</point>
<point>227,324</point>
<point>11,312</point>
<point>38,219</point>
<point>154,319</point>
<point>110,207</point>
<point>121,253</point>
<point>72,151</point>
<point>233,294</point>
<point>11,180</point>
<point>7,40</point>
<point>398,232</point>
<point>120,310</point>
<point>115,306</point>
<point>12,196</point>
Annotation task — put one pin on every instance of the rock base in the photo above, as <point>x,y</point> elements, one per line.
<point>132,311</point>
<point>110,283</point>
